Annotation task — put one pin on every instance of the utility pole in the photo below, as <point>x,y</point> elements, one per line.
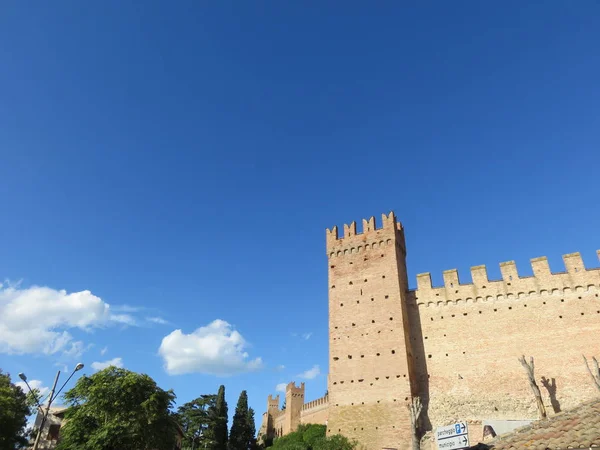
<point>45,415</point>
<point>51,398</point>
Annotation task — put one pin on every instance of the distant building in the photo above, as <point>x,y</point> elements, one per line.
<point>51,430</point>
<point>278,422</point>
<point>454,346</point>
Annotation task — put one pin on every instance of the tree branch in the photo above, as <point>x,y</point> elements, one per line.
<point>595,376</point>
<point>529,368</point>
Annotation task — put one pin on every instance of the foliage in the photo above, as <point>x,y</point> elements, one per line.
<point>196,419</point>
<point>251,423</point>
<point>312,433</point>
<point>218,431</point>
<point>118,409</point>
<point>335,442</point>
<point>312,437</point>
<point>14,409</point>
<point>241,431</point>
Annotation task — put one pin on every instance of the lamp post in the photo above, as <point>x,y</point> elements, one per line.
<point>51,398</point>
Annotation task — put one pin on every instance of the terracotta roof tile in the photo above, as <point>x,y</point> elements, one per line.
<point>577,428</point>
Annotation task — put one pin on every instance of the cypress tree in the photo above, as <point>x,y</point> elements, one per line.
<point>251,424</point>
<point>240,431</point>
<point>220,424</point>
<point>252,429</point>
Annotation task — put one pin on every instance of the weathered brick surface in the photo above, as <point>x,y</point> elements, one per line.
<point>369,374</point>
<point>456,345</point>
<point>472,335</point>
<point>316,411</point>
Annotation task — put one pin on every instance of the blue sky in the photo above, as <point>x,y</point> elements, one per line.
<point>180,161</point>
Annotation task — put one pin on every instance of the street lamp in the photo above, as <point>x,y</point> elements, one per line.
<point>51,398</point>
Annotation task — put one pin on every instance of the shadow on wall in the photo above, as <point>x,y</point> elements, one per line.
<point>550,385</point>
<point>421,386</point>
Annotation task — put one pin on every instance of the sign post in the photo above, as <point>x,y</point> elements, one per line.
<point>452,437</point>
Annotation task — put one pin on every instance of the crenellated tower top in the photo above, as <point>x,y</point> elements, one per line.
<point>273,403</point>
<point>353,241</point>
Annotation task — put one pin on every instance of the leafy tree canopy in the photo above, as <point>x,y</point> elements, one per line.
<point>196,418</point>
<point>14,409</point>
<point>116,409</point>
<point>312,437</point>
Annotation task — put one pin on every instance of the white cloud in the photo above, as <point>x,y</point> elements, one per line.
<point>311,373</point>
<point>37,319</point>
<point>35,384</point>
<point>63,367</point>
<point>127,308</point>
<point>117,362</point>
<point>76,349</point>
<point>216,349</point>
<point>103,351</point>
<point>280,367</point>
<point>124,319</point>
<point>280,387</point>
<point>305,336</point>
<point>158,320</point>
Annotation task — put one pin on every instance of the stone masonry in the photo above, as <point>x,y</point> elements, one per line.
<point>455,346</point>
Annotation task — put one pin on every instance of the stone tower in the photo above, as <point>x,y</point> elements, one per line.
<point>294,399</point>
<point>369,349</point>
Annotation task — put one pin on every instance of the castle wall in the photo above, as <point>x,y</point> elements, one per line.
<point>369,378</point>
<point>316,412</point>
<point>456,346</point>
<point>276,422</point>
<point>264,428</point>
<point>279,420</point>
<point>472,335</point>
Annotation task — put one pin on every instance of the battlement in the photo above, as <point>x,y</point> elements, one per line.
<point>323,401</point>
<point>292,385</point>
<point>338,245</point>
<point>273,402</point>
<point>575,278</point>
<point>294,390</point>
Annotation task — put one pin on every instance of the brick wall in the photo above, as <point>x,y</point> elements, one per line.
<point>456,346</point>
<point>472,334</point>
<point>369,371</point>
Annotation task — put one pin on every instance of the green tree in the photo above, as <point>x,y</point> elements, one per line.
<point>251,423</point>
<point>312,437</point>
<point>219,428</point>
<point>240,433</point>
<point>118,409</point>
<point>335,442</point>
<point>196,420</point>
<point>14,409</point>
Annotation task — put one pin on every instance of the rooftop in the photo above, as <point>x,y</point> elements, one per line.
<point>577,428</point>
